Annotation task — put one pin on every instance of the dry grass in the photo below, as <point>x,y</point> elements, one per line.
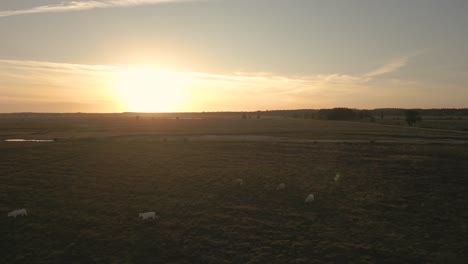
<point>395,203</point>
<point>105,126</point>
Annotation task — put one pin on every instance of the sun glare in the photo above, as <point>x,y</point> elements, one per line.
<point>150,90</point>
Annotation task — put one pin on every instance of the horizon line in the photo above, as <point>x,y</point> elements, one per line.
<point>238,111</point>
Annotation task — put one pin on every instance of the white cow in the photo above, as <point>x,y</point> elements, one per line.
<point>238,182</point>
<point>337,177</point>
<point>310,198</point>
<point>15,213</point>
<point>148,215</point>
<point>281,186</point>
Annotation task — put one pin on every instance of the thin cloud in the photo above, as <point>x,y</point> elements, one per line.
<point>78,82</point>
<point>317,80</point>
<point>43,66</point>
<point>69,6</point>
<point>393,66</point>
<point>261,82</point>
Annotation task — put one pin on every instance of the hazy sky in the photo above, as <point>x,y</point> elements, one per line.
<point>155,55</point>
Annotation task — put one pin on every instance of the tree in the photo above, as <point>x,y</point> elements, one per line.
<point>336,114</point>
<point>340,114</point>
<point>412,117</point>
<point>364,114</point>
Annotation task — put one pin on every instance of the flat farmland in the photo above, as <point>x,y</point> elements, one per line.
<point>92,127</point>
<point>402,196</point>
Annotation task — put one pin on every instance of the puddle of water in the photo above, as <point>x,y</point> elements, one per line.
<point>185,118</point>
<point>28,140</point>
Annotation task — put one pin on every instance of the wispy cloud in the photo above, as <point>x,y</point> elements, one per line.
<point>392,66</point>
<point>217,90</point>
<point>240,77</point>
<point>237,77</point>
<point>68,6</point>
<point>282,91</point>
<point>62,67</point>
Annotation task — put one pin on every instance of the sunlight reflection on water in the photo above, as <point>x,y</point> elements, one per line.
<point>28,140</point>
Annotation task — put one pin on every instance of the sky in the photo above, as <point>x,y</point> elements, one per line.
<point>231,55</point>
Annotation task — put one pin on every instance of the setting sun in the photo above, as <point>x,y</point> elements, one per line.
<point>150,90</point>
<point>233,131</point>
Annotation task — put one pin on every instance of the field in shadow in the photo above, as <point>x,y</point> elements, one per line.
<point>394,203</point>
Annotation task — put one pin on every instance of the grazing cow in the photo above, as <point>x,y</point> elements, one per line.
<point>20,212</point>
<point>281,186</point>
<point>310,198</point>
<point>148,215</point>
<point>238,182</point>
<point>337,177</point>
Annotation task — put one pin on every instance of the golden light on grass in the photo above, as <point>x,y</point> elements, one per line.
<point>151,90</point>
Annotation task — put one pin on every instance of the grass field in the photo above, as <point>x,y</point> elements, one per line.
<point>432,122</point>
<point>402,197</point>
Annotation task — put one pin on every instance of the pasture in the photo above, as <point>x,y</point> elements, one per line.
<point>402,194</point>
<point>431,122</point>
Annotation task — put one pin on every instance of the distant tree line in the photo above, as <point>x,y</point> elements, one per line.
<point>340,113</point>
<point>412,116</point>
<point>343,113</point>
<point>441,112</point>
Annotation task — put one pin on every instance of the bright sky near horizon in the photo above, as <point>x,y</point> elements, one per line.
<point>234,55</point>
